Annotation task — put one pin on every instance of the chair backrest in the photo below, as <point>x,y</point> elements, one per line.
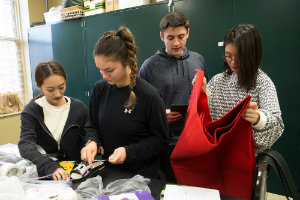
<point>260,181</point>
<point>265,161</point>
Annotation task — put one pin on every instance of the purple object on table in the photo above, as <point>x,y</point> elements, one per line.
<point>141,195</point>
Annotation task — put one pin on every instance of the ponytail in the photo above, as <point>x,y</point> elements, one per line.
<point>120,46</point>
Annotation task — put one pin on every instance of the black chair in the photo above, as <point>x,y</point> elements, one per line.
<point>265,161</point>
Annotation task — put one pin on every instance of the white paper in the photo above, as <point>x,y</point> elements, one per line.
<point>174,192</point>
<point>130,196</point>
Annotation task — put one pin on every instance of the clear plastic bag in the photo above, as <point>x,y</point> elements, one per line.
<point>14,188</point>
<point>10,103</point>
<point>28,186</point>
<point>29,169</point>
<point>45,190</point>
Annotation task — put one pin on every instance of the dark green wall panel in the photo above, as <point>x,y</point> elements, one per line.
<point>279,25</point>
<point>209,21</point>
<point>68,50</point>
<point>40,49</point>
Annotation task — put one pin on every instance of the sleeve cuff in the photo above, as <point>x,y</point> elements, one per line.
<point>207,93</point>
<point>262,121</point>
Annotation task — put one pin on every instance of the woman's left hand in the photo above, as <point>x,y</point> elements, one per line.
<point>251,114</point>
<point>118,157</point>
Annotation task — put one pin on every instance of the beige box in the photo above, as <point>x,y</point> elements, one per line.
<point>116,4</point>
<point>109,5</point>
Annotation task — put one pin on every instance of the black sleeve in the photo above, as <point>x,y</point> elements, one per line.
<point>90,131</point>
<point>158,127</point>
<point>92,122</point>
<point>28,149</point>
<point>143,73</point>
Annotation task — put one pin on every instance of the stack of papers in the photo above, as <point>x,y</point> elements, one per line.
<point>180,192</point>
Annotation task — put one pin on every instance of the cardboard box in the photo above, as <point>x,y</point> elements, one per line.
<point>116,4</point>
<point>129,3</point>
<point>71,8</point>
<point>109,5</point>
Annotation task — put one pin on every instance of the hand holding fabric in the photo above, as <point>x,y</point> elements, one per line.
<point>252,114</point>
<point>204,82</point>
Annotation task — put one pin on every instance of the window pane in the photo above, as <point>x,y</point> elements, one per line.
<point>9,73</point>
<point>6,19</point>
<point>11,68</point>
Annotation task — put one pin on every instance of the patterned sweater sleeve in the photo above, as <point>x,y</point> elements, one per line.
<point>211,85</point>
<point>268,104</point>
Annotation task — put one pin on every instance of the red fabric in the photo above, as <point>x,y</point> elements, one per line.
<point>218,155</point>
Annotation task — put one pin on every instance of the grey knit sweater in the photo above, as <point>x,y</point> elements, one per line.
<point>225,93</point>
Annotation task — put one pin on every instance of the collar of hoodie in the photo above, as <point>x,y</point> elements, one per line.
<point>176,63</point>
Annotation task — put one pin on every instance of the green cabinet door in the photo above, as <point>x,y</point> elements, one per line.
<point>40,49</point>
<point>68,50</point>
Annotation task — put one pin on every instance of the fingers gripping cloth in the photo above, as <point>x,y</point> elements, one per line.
<point>219,154</point>
<point>84,170</point>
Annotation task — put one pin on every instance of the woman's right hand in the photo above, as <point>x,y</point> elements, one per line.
<point>60,174</point>
<point>89,152</point>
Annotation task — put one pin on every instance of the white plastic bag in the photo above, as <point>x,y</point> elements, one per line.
<point>28,168</point>
<point>45,190</point>
<point>11,188</point>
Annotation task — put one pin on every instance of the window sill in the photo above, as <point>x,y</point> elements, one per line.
<point>9,114</point>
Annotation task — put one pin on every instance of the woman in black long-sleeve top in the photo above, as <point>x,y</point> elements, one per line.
<point>127,111</point>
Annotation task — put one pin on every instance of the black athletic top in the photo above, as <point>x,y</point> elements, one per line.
<point>142,131</point>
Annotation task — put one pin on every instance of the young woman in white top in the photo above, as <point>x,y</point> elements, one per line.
<point>52,125</point>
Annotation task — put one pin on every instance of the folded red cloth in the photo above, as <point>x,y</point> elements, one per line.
<point>218,155</point>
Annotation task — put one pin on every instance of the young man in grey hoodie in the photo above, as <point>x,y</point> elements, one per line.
<point>171,71</point>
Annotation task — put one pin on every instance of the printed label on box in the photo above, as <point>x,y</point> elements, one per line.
<point>67,165</point>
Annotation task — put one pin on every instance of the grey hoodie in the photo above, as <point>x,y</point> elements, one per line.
<point>171,76</point>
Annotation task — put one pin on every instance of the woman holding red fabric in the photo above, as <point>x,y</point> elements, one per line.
<point>242,75</point>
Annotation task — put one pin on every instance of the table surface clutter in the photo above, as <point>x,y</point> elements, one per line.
<point>106,183</point>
